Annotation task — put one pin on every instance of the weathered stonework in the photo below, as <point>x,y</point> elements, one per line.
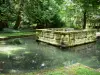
<point>64,37</point>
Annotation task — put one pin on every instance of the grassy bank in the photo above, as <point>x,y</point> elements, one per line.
<point>76,69</point>
<point>15,34</point>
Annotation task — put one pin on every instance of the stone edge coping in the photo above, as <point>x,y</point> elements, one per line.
<point>71,31</point>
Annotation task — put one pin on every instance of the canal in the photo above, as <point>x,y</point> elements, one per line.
<point>25,54</point>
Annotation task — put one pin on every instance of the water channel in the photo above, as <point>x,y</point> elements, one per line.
<point>30,55</point>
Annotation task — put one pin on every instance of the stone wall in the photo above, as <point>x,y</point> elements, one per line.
<point>64,37</point>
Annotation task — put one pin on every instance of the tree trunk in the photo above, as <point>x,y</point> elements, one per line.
<point>3,24</point>
<point>17,24</point>
<point>84,19</point>
<point>1,28</point>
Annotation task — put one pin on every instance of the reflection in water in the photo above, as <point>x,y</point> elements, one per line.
<point>32,56</point>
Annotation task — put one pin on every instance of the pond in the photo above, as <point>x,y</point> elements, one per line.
<point>27,55</point>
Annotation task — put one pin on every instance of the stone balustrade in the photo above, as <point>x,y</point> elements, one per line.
<point>66,37</point>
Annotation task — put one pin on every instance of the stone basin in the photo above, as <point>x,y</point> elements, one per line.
<point>66,37</point>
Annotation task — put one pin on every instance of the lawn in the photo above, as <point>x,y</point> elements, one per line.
<point>15,34</point>
<point>76,69</point>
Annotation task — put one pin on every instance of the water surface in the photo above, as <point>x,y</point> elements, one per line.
<point>30,55</point>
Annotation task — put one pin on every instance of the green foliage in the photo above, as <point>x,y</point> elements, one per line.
<point>4,10</point>
<point>57,22</point>
<point>89,7</point>
<point>43,13</point>
<point>88,4</point>
<point>49,13</point>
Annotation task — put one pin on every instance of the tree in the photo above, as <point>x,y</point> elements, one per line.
<point>8,12</point>
<point>18,20</point>
<point>86,6</point>
<point>42,12</point>
<point>4,12</point>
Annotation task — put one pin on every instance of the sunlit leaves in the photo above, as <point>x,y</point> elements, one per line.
<point>41,10</point>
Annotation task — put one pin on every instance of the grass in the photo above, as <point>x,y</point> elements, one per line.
<point>76,69</point>
<point>7,35</point>
<point>80,69</point>
<point>85,71</point>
